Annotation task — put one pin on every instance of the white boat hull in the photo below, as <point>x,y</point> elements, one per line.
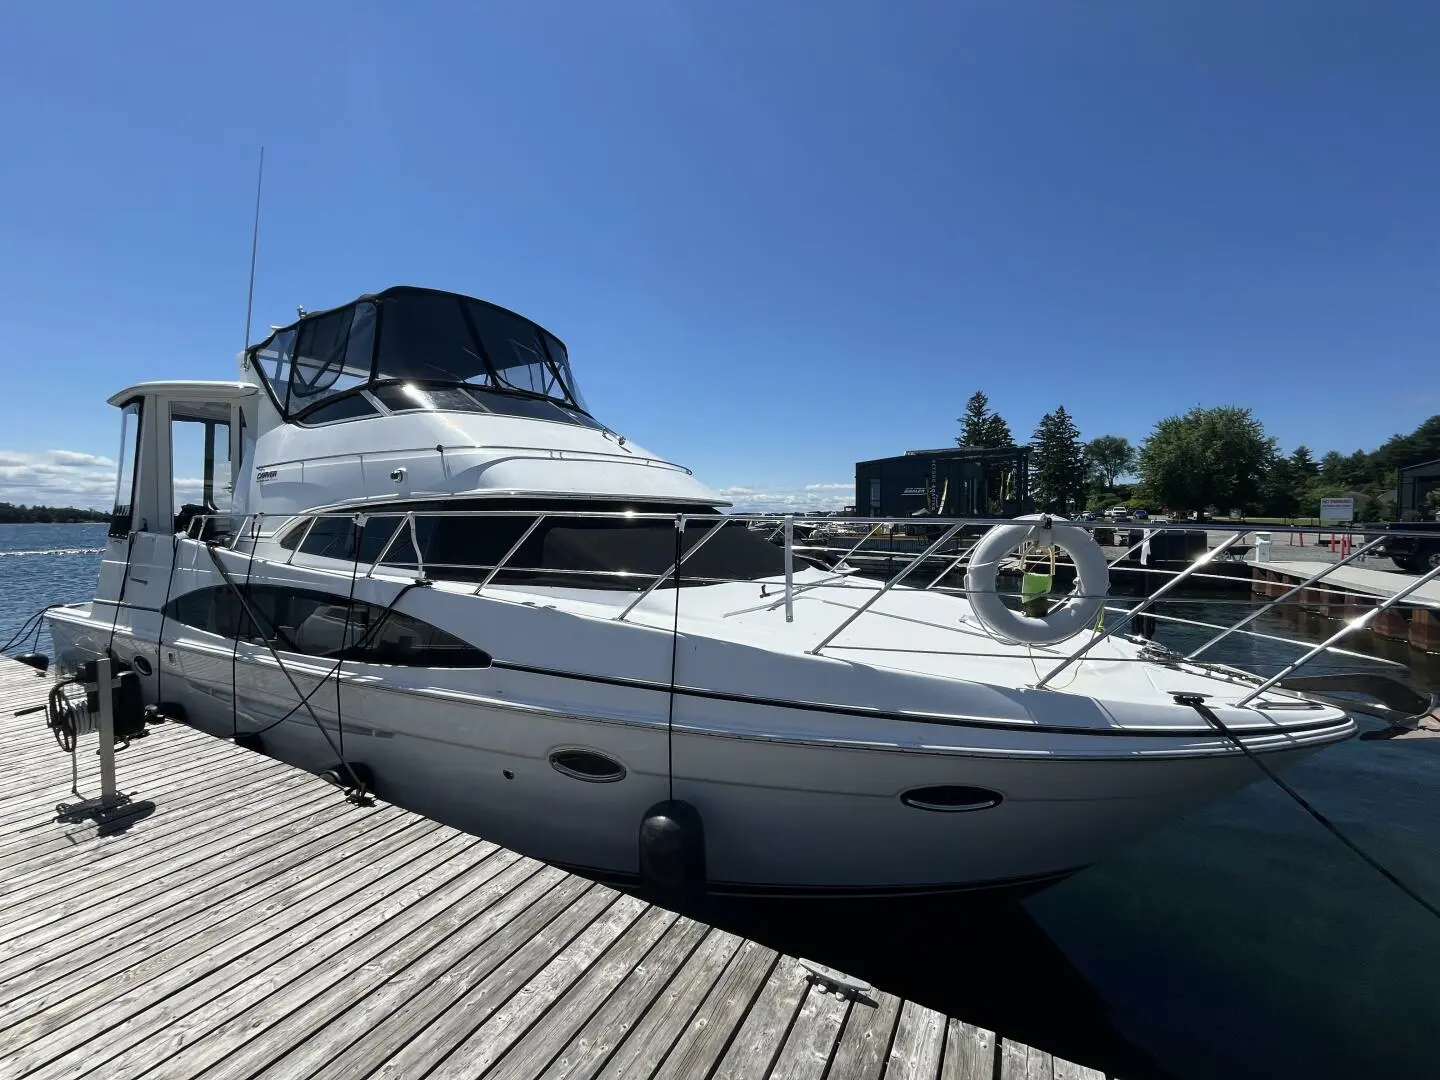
<point>794,815</point>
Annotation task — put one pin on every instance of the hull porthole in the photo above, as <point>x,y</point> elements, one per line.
<point>587,765</point>
<point>951,799</point>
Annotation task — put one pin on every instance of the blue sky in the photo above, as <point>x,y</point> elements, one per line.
<point>777,237</point>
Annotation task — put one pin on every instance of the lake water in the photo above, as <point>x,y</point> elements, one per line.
<point>1244,941</point>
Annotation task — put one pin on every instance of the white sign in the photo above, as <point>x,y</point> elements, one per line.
<point>1337,510</point>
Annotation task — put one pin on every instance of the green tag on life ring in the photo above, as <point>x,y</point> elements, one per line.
<point>1035,586</point>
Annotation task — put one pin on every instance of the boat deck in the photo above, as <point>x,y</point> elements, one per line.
<point>247,921</point>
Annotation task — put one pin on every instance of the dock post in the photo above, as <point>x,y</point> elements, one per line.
<point>1425,629</point>
<point>1392,624</point>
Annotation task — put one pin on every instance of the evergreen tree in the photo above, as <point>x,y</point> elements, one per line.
<point>1304,463</point>
<point>1057,463</point>
<point>1280,492</point>
<point>981,427</point>
<point>997,432</point>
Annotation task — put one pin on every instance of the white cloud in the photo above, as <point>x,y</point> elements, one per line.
<point>811,497</point>
<point>57,478</point>
<point>75,459</point>
<point>69,478</point>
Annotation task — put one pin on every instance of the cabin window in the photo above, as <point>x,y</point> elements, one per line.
<point>582,553</point>
<point>216,611</point>
<point>201,473</point>
<point>378,533</point>
<point>331,538</point>
<point>349,406</point>
<point>125,475</point>
<point>291,537</point>
<point>408,397</point>
<point>535,408</point>
<point>325,625</point>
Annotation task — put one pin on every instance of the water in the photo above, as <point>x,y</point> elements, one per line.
<point>1243,941</point>
<point>45,564</point>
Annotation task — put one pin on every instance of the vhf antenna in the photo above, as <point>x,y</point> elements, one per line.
<point>254,248</point>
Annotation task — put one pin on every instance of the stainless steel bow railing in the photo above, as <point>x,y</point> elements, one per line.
<point>948,550</point>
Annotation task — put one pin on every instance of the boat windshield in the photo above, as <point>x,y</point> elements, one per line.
<point>409,336</point>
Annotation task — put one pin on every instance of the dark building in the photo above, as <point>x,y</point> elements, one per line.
<point>957,481</point>
<point>1416,482</point>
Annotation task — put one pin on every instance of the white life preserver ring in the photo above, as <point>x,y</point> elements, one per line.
<point>1079,611</point>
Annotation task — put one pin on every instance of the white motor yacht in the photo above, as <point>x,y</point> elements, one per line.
<point>400,550</point>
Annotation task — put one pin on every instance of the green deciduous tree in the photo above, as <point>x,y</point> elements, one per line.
<point>982,427</point>
<point>1208,457</point>
<point>1057,463</point>
<point>1110,457</point>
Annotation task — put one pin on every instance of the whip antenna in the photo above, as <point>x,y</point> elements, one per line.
<point>254,247</point>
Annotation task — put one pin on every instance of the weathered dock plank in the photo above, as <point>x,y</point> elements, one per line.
<point>254,924</point>
<point>865,1042</point>
<point>651,1039</point>
<point>969,1052</point>
<point>808,1047</point>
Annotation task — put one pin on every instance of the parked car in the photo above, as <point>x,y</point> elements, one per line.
<point>1417,554</point>
<point>1141,515</point>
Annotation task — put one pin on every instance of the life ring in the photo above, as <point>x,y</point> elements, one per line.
<point>1077,613</point>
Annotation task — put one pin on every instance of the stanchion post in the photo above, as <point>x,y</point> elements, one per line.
<point>107,732</point>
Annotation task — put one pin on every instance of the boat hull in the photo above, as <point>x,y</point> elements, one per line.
<point>780,816</point>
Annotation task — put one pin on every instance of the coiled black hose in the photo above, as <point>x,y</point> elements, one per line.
<point>61,715</point>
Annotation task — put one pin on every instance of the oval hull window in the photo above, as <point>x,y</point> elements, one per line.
<point>142,665</point>
<point>951,798</point>
<point>587,765</point>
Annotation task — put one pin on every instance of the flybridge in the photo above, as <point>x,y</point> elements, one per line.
<point>408,348</point>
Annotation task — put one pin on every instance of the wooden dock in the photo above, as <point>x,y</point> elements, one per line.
<point>1351,591</point>
<point>1359,579</point>
<point>247,921</point>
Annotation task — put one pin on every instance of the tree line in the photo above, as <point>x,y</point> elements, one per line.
<point>1206,460</point>
<point>10,514</point>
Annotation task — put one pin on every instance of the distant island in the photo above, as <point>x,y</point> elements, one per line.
<point>11,514</point>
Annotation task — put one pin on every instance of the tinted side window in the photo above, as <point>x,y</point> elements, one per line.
<point>291,540</point>
<point>216,611</point>
<point>325,625</point>
<point>331,538</point>
<point>405,640</point>
<point>346,407</point>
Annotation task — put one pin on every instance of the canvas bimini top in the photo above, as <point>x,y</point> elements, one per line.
<point>410,348</point>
